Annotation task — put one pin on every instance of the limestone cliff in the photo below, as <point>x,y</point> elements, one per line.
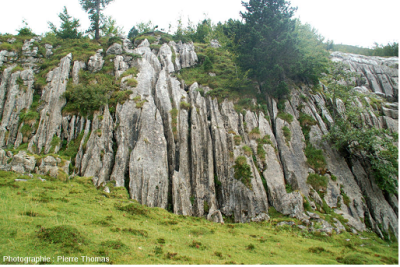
<point>175,147</point>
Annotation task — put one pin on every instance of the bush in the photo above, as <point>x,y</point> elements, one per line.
<point>315,158</point>
<point>243,171</point>
<point>237,139</point>
<point>255,133</point>
<point>287,134</point>
<point>247,151</point>
<point>132,82</point>
<point>317,181</point>
<point>285,116</point>
<point>185,105</point>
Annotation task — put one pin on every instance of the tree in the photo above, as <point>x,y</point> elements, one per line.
<point>94,9</point>
<point>110,27</point>
<point>25,30</point>
<point>266,43</point>
<point>69,26</point>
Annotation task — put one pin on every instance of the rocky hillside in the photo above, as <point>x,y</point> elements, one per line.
<point>175,147</point>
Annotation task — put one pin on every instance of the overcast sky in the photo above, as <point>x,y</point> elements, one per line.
<point>354,22</point>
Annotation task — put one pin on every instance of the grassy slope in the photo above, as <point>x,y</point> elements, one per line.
<point>102,225</point>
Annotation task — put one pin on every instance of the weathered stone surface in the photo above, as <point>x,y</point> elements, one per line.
<point>202,165</point>
<point>96,61</point>
<point>375,70</point>
<point>53,102</point>
<point>115,49</point>
<point>16,94</point>
<point>148,165</point>
<point>23,163</point>
<point>292,152</point>
<point>379,208</point>
<point>97,160</point>
<point>49,50</point>
<point>78,65</point>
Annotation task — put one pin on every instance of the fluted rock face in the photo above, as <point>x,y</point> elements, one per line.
<point>380,74</point>
<point>175,147</point>
<point>16,94</point>
<point>50,116</point>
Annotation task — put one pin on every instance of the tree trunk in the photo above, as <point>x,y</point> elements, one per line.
<point>97,22</point>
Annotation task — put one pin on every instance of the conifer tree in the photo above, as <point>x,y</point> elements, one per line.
<point>94,9</point>
<point>69,26</point>
<point>266,43</point>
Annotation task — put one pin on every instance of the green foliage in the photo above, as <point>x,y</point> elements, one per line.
<point>69,26</point>
<point>388,50</point>
<point>247,151</point>
<point>132,82</point>
<point>266,43</point>
<point>255,133</point>
<point>94,9</point>
<point>288,188</point>
<point>287,134</point>
<point>26,130</point>
<point>110,28</point>
<point>185,105</point>
<point>237,139</point>
<point>317,181</point>
<point>65,235</point>
<point>313,57</point>
<point>229,80</point>
<point>25,30</point>
<point>207,64</point>
<point>85,99</point>
<point>352,137</point>
<point>131,238</point>
<point>346,199</point>
<point>306,121</point>
<point>315,158</point>
<point>243,171</point>
<point>174,121</point>
<point>285,116</point>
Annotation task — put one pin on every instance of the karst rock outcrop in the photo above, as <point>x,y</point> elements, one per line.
<point>175,147</point>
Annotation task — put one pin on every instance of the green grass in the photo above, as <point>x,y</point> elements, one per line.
<point>75,219</point>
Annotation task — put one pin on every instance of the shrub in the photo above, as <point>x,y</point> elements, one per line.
<point>132,82</point>
<point>288,188</point>
<point>315,158</point>
<point>346,199</point>
<point>247,151</point>
<point>317,181</point>
<point>85,99</point>
<point>285,116</point>
<point>28,116</point>
<point>255,133</point>
<point>260,151</point>
<point>287,134</point>
<point>207,64</point>
<point>243,171</point>
<point>185,105</point>
<point>26,130</point>
<point>237,139</point>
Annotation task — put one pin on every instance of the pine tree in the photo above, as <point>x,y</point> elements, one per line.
<point>94,8</point>
<point>69,26</point>
<point>266,43</point>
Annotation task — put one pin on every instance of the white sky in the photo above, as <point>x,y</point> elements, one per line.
<point>353,22</point>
